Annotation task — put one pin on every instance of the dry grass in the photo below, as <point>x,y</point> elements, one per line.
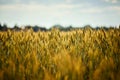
<point>55,55</point>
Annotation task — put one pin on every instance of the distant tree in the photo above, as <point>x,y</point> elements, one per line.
<point>4,27</point>
<point>16,28</point>
<point>35,28</point>
<point>43,29</point>
<point>0,26</point>
<point>105,28</point>
<point>97,28</point>
<point>28,27</point>
<point>69,28</point>
<point>57,26</point>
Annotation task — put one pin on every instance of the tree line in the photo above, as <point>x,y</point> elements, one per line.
<point>36,28</point>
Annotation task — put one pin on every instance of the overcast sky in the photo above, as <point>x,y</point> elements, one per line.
<point>64,12</point>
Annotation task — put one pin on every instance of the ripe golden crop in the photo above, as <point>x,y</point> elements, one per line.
<point>83,54</point>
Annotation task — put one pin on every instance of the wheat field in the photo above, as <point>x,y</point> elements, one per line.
<point>82,54</point>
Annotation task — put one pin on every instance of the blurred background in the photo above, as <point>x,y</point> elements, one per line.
<point>64,12</point>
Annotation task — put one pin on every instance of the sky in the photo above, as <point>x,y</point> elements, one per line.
<point>64,12</point>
